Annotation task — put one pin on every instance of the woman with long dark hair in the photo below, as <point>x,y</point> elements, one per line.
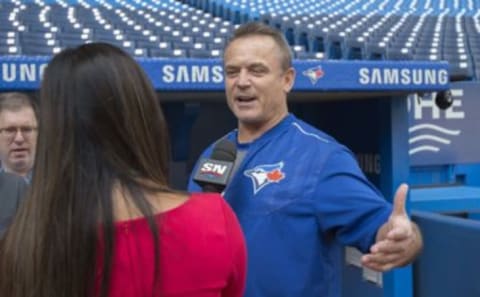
<point>100,218</point>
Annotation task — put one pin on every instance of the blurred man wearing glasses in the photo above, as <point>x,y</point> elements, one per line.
<point>18,134</point>
<point>18,139</point>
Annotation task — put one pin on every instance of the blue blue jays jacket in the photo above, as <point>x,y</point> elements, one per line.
<point>299,195</point>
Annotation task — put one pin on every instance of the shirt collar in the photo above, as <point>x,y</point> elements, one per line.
<point>27,178</point>
<point>275,130</point>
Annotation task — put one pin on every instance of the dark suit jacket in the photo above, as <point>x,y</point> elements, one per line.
<point>12,192</point>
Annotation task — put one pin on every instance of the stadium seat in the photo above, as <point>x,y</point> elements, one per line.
<point>167,53</point>
<point>375,51</point>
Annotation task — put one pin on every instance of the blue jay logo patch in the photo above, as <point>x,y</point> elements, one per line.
<point>314,74</point>
<point>263,175</point>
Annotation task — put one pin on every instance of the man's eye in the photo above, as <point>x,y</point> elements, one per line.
<point>11,130</point>
<point>257,70</point>
<point>231,72</point>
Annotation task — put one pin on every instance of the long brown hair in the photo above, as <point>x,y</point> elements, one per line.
<point>100,125</point>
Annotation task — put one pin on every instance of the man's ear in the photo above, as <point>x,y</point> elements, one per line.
<point>289,79</point>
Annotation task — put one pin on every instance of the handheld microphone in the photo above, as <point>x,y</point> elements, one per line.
<point>212,173</point>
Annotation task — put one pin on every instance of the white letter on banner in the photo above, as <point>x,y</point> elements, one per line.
<point>376,76</point>
<point>182,74</point>
<point>419,105</point>
<point>391,76</point>
<point>200,74</point>
<point>417,76</point>
<point>168,76</point>
<point>42,69</point>
<point>430,76</point>
<point>457,102</point>
<point>363,76</point>
<point>405,73</point>
<point>7,75</point>
<point>27,72</point>
<point>443,77</point>
<point>217,74</point>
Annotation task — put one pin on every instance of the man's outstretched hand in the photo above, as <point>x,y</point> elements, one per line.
<point>398,241</point>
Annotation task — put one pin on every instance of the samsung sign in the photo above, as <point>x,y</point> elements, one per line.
<point>207,74</point>
<point>402,76</point>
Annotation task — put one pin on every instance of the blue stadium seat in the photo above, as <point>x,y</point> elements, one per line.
<point>316,40</point>
<point>167,53</point>
<point>334,46</point>
<point>309,56</point>
<point>354,48</point>
<point>204,53</point>
<point>35,50</point>
<point>8,50</point>
<point>70,42</point>
<point>399,54</point>
<point>375,52</point>
<point>184,43</point>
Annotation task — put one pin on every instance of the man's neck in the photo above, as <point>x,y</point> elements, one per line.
<point>249,132</point>
<point>22,173</point>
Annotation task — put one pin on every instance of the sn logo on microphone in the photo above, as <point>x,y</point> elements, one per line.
<point>214,169</point>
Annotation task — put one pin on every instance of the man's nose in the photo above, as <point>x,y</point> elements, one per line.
<point>243,79</point>
<point>18,137</point>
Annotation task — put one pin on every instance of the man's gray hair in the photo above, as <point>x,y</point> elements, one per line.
<point>261,29</point>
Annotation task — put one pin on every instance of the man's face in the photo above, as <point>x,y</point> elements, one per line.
<point>256,85</point>
<point>18,139</point>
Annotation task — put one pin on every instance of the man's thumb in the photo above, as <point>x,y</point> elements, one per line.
<point>399,200</point>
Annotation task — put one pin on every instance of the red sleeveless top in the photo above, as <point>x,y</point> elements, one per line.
<point>202,252</point>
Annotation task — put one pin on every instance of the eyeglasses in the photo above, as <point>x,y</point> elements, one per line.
<point>9,133</point>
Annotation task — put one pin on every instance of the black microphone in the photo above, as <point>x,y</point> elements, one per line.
<point>212,173</point>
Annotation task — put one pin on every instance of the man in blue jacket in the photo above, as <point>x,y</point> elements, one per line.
<point>296,191</point>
